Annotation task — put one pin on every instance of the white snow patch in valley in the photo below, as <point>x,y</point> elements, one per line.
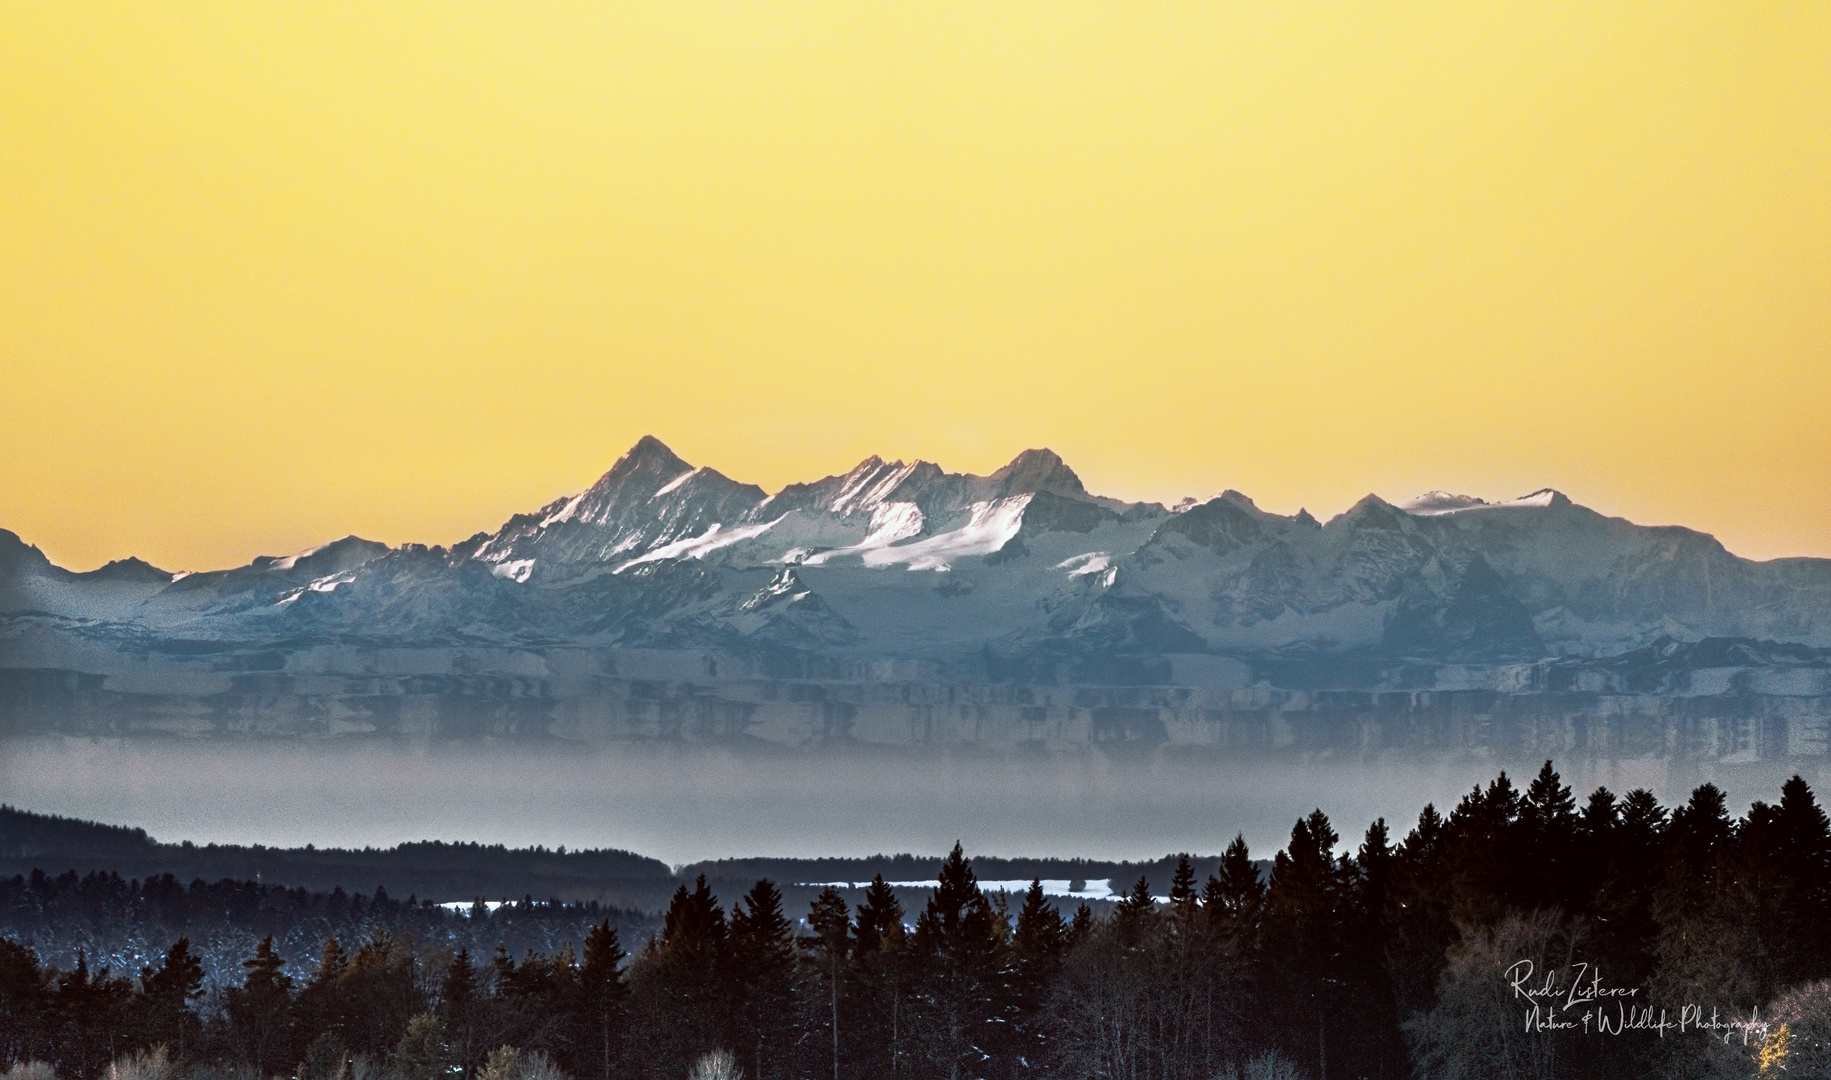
<point>890,522</point>
<point>319,585</point>
<point>1092,888</point>
<point>989,526</point>
<point>329,583</point>
<point>698,547</point>
<point>516,570</point>
<point>462,907</point>
<point>1091,562</point>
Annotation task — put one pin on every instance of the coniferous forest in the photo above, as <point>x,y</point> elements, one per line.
<point>1524,933</point>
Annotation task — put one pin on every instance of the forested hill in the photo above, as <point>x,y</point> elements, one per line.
<point>1526,934</point>
<point>445,872</point>
<point>428,869</point>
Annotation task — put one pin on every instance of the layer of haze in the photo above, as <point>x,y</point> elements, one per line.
<point>274,273</point>
<point>690,803</point>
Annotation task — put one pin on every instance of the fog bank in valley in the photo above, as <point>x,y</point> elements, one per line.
<point>683,804</point>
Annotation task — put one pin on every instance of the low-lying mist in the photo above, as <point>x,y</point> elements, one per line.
<point>687,803</point>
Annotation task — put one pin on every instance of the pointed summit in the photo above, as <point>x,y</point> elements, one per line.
<point>1037,470</point>
<point>1370,512</point>
<point>650,457</point>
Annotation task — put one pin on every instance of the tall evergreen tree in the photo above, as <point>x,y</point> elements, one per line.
<point>167,994</point>
<point>1804,849</point>
<point>762,966</point>
<point>1548,822</point>
<point>1376,1017</point>
<point>1135,916</point>
<point>260,1011</point>
<point>1183,897</point>
<point>831,920</point>
<point>461,1010</point>
<point>960,951</point>
<point>1304,936</point>
<point>605,996</point>
<point>680,993</point>
<point>380,993</point>
<point>879,953</point>
<point>1040,934</point>
<point>1232,898</point>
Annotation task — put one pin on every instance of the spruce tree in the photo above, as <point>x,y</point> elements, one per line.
<point>1232,898</point>
<point>1081,925</point>
<point>1135,915</point>
<point>604,994</point>
<point>1548,820</point>
<point>681,986</point>
<point>960,950</point>
<point>167,994</point>
<point>879,950</point>
<point>831,921</point>
<point>1038,943</point>
<point>459,1006</point>
<point>880,919</point>
<point>763,963</point>
<point>260,1011</point>
<point>1040,934</point>
<point>1183,897</point>
<point>1804,838</point>
<point>1304,934</point>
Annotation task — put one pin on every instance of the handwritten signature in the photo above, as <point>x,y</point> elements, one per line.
<point>1554,1003</point>
<point>1585,985</point>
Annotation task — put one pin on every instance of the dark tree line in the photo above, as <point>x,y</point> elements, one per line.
<point>428,868</point>
<point>1387,960</point>
<point>123,923</point>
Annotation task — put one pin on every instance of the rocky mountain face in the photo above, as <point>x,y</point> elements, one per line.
<point>900,574</point>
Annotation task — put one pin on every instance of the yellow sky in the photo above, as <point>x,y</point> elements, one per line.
<point>274,273</point>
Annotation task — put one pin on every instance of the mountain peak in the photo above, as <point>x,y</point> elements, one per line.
<point>649,460</point>
<point>1372,511</point>
<point>16,554</point>
<point>132,568</point>
<point>1545,497</point>
<point>1038,470</point>
<point>650,452</point>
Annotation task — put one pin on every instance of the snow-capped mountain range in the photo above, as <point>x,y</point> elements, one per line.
<point>906,560</point>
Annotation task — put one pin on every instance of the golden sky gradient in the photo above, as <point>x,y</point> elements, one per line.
<point>274,273</point>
